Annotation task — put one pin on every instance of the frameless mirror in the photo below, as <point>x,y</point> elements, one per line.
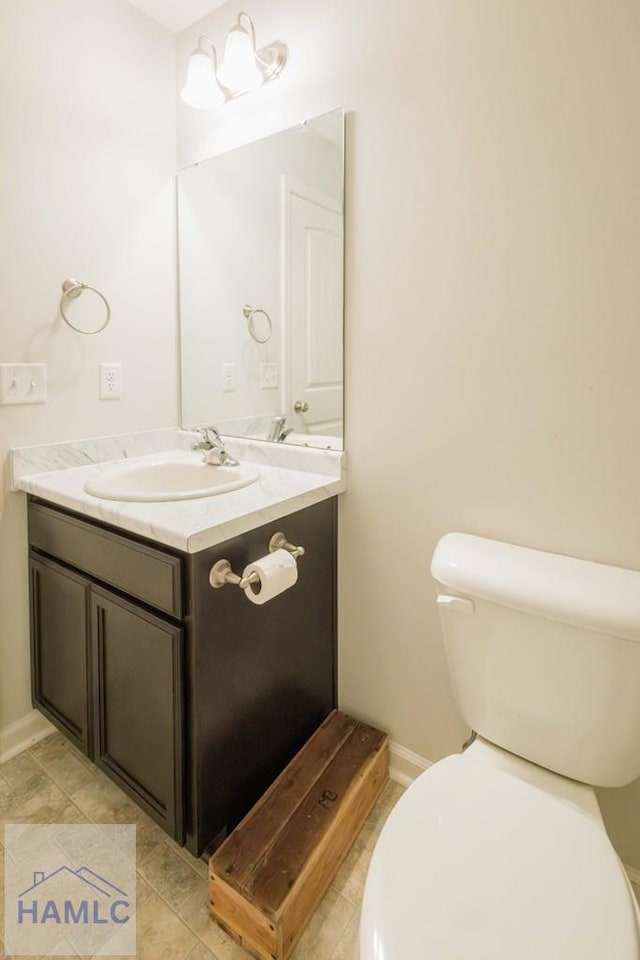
<point>260,232</point>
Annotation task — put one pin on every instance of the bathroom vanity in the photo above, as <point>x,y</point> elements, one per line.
<point>188,695</point>
<point>191,698</point>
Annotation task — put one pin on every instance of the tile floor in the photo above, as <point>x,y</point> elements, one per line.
<point>54,783</point>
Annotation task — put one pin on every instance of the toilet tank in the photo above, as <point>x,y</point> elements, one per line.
<point>544,654</point>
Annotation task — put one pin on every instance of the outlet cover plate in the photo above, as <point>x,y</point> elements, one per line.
<point>228,377</point>
<point>268,376</point>
<point>110,381</point>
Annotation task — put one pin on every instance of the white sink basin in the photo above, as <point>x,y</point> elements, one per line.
<point>169,480</point>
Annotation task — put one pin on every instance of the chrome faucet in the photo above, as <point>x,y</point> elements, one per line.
<point>212,447</point>
<point>277,432</point>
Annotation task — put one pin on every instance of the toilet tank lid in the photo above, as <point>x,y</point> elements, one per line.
<point>593,596</point>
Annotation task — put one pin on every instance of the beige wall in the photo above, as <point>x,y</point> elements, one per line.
<point>492,285</point>
<point>87,152</point>
<point>493,219</point>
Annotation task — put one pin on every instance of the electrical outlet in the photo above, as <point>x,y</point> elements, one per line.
<point>268,376</point>
<point>228,377</point>
<point>23,383</point>
<point>110,381</point>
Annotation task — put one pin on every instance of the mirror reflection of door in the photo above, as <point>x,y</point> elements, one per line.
<point>313,309</point>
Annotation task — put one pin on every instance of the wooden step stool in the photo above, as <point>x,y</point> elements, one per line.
<point>270,874</point>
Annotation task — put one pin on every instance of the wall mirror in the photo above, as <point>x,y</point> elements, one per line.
<point>260,233</point>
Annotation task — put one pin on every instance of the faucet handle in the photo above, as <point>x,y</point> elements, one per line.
<point>204,438</point>
<point>211,435</point>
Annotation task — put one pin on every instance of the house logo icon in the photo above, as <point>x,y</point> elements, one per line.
<point>68,896</point>
<point>69,890</point>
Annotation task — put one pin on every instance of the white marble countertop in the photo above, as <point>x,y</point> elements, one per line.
<point>291,478</point>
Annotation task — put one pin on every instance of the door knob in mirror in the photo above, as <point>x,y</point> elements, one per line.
<point>300,407</point>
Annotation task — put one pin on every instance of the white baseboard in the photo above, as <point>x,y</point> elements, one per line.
<point>404,764</point>
<point>23,734</point>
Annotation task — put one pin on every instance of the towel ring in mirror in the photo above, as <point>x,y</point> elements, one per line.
<point>72,289</point>
<point>249,312</point>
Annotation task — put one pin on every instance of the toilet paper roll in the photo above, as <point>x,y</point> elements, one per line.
<point>277,572</point>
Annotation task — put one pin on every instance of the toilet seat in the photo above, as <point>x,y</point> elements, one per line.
<point>475,863</point>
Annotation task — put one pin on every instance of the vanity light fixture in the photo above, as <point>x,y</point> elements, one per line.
<point>244,68</point>
<point>202,89</point>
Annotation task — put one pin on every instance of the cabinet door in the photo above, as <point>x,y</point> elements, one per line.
<point>59,647</point>
<point>137,696</point>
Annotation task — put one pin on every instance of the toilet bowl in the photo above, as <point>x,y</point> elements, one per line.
<point>500,853</point>
<point>488,857</point>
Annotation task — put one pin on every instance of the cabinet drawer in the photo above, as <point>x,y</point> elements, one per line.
<point>140,571</point>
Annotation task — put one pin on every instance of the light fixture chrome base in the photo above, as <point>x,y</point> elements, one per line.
<point>272,59</point>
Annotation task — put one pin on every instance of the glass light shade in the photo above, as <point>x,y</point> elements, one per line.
<point>201,89</point>
<point>238,71</point>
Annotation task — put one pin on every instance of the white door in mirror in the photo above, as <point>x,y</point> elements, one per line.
<point>169,480</point>
<point>313,290</point>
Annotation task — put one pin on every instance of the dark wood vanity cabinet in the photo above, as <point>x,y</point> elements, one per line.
<point>191,698</point>
<point>107,669</point>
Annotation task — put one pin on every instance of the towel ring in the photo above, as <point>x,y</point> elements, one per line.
<point>72,289</point>
<point>250,313</point>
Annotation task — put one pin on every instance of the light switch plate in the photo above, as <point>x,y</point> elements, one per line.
<point>23,383</point>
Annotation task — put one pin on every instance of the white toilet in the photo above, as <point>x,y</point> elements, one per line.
<point>500,853</point>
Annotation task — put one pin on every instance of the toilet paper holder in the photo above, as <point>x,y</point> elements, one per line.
<point>221,572</point>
